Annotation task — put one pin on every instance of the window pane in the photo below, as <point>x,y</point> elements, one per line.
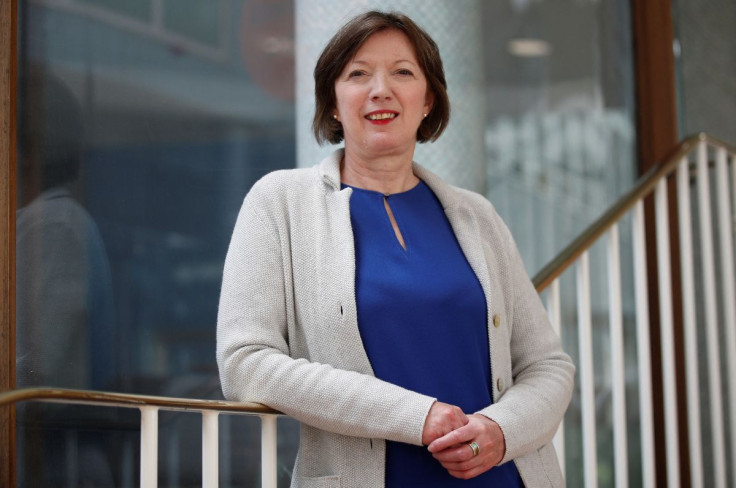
<point>560,117</point>
<point>706,67</point>
<point>137,9</point>
<point>136,148</point>
<point>195,19</point>
<point>560,141</point>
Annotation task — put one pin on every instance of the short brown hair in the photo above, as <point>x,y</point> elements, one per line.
<point>342,48</point>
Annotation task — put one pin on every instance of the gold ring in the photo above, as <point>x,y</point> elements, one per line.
<point>475,447</point>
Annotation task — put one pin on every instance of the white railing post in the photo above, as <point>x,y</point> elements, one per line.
<point>618,369</point>
<point>210,448</point>
<point>667,334</point>
<point>587,373</point>
<point>554,314</point>
<point>149,447</point>
<point>711,317</point>
<point>690,329</point>
<point>268,451</point>
<point>646,409</point>
<point>729,290</point>
<point>733,186</point>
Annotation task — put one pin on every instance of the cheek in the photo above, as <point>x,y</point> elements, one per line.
<point>344,101</point>
<point>421,104</point>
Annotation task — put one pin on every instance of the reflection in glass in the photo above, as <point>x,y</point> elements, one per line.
<point>196,19</point>
<point>64,308</point>
<point>137,9</point>
<point>560,148</point>
<point>64,291</point>
<point>173,125</point>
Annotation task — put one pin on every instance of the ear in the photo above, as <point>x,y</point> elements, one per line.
<point>428,102</point>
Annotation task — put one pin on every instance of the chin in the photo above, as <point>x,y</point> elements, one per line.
<point>389,145</point>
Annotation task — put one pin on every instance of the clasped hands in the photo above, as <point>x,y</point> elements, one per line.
<point>448,431</point>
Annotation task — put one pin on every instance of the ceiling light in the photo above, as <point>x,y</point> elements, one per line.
<point>529,47</point>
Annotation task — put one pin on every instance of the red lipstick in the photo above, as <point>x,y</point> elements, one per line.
<point>381,117</point>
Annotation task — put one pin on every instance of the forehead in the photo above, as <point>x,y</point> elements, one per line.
<point>388,43</point>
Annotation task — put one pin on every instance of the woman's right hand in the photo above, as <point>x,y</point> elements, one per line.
<point>442,419</point>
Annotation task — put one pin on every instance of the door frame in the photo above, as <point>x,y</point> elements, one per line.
<point>8,90</point>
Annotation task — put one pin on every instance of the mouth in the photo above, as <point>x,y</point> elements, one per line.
<point>381,116</point>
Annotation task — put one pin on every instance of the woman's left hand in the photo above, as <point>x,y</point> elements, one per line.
<point>456,455</point>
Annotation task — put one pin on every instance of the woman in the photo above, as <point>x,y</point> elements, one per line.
<point>386,310</point>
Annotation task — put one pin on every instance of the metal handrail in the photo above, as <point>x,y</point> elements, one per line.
<point>149,407</point>
<point>700,215</point>
<point>129,400</point>
<point>641,189</point>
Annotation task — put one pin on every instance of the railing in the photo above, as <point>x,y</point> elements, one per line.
<point>606,229</point>
<point>691,162</point>
<point>150,406</point>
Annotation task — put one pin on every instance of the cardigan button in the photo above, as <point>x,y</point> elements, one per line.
<point>497,320</point>
<point>499,384</point>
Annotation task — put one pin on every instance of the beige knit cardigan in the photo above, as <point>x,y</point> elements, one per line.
<point>287,332</point>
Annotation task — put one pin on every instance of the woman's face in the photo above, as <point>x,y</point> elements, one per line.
<point>382,97</point>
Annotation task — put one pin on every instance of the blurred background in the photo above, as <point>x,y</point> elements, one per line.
<point>143,123</point>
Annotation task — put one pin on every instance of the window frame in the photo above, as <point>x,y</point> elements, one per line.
<point>8,90</point>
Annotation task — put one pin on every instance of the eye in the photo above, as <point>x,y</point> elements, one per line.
<point>356,73</point>
<point>404,72</point>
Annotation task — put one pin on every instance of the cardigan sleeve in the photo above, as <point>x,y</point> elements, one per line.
<point>531,409</point>
<point>254,359</point>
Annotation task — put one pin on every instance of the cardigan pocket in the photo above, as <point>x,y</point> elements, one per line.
<point>320,482</point>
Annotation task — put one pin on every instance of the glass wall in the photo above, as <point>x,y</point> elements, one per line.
<point>560,148</point>
<point>560,116</point>
<point>144,123</point>
<point>706,67</point>
<point>142,126</point>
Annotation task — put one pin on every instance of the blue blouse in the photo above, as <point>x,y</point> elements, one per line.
<point>423,321</point>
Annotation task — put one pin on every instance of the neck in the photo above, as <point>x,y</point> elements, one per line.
<point>386,175</point>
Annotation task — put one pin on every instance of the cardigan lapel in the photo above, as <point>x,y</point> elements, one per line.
<point>464,224</point>
<point>339,257</point>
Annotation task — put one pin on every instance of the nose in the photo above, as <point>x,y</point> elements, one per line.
<point>381,87</point>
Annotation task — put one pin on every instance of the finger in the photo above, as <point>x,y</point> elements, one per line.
<point>458,453</point>
<point>467,474</point>
<point>436,431</point>
<point>441,419</point>
<point>464,466</point>
<point>461,435</point>
<point>461,422</point>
